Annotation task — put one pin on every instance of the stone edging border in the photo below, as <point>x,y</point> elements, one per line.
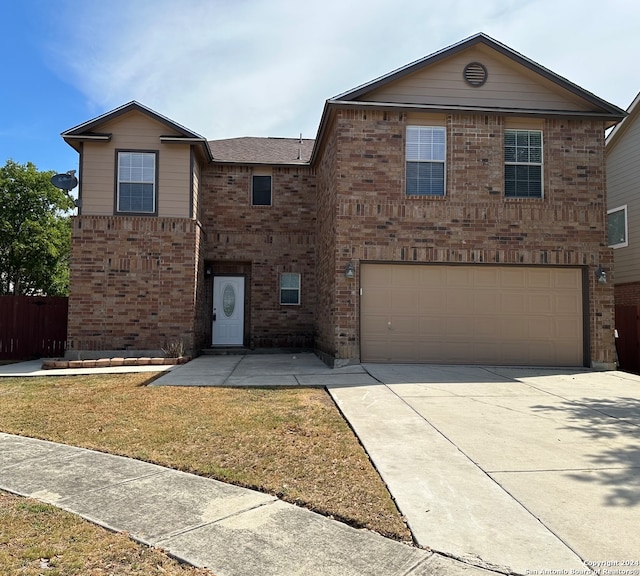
<point>58,364</point>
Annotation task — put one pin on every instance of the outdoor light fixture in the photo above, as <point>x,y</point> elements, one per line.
<point>208,271</point>
<point>601,275</point>
<point>350,270</point>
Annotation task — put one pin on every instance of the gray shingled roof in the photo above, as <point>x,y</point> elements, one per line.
<point>250,150</point>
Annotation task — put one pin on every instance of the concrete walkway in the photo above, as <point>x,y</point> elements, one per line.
<point>233,531</point>
<point>516,470</point>
<point>34,368</point>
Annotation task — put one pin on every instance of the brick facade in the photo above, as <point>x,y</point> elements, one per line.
<point>133,282</point>
<point>260,243</point>
<point>131,274</point>
<point>473,223</point>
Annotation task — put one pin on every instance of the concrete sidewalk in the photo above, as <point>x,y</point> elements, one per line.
<point>34,368</point>
<point>233,531</point>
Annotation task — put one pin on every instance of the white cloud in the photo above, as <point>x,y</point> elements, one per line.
<point>265,67</point>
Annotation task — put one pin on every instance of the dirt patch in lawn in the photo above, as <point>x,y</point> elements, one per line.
<point>37,539</point>
<point>290,442</point>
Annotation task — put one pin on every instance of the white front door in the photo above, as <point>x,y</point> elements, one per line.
<point>228,310</point>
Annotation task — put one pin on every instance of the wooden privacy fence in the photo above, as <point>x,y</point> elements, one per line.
<point>32,326</point>
<point>628,341</point>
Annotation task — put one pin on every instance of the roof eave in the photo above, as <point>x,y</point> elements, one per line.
<point>299,163</point>
<point>613,117</point>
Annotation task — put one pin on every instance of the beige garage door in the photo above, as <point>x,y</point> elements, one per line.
<point>471,314</point>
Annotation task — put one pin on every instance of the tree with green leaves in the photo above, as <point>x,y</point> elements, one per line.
<point>35,232</point>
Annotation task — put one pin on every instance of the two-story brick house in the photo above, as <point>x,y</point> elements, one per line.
<point>451,211</point>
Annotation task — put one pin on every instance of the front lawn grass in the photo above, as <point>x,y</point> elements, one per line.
<point>290,442</point>
<point>38,539</point>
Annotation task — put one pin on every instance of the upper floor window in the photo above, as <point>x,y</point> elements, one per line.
<point>617,226</point>
<point>425,160</point>
<point>261,190</point>
<point>523,163</point>
<point>136,182</point>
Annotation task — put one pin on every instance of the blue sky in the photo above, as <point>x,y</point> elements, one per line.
<point>226,68</point>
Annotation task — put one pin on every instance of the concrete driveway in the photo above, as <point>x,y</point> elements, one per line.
<point>516,469</point>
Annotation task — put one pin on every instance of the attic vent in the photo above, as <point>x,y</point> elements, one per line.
<point>475,74</point>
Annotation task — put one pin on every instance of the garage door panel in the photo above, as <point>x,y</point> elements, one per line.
<point>513,303</point>
<point>458,277</point>
<point>512,278</point>
<point>472,314</point>
<point>568,279</point>
<point>537,279</point>
<point>486,301</point>
<point>542,328</point>
<point>542,303</point>
<point>567,305</point>
<point>567,329</point>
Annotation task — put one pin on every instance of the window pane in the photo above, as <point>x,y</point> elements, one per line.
<point>523,181</point>
<point>535,138</point>
<point>425,179</point>
<point>290,281</point>
<point>425,143</point>
<point>261,192</point>
<point>289,297</point>
<point>617,227</point>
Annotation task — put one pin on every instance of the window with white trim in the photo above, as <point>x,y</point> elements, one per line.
<point>523,163</point>
<point>289,288</point>
<point>617,227</point>
<point>136,186</point>
<point>425,161</point>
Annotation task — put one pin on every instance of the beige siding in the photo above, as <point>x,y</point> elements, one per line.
<point>135,131</point>
<point>508,85</point>
<point>623,187</point>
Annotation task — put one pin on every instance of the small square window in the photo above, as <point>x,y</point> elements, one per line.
<point>617,227</point>
<point>289,289</point>
<point>261,191</point>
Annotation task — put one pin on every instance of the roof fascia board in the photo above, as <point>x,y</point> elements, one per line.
<point>84,137</point>
<point>476,109</point>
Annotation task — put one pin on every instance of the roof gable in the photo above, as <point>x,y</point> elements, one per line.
<point>92,126</point>
<point>94,130</point>
<point>513,83</point>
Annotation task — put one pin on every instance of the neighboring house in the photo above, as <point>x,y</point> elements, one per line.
<point>622,151</point>
<point>452,211</point>
<point>623,199</point>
